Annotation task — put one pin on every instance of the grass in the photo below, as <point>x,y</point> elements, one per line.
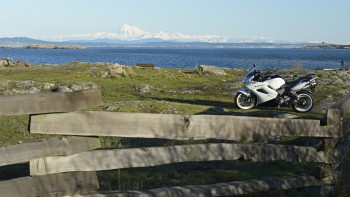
<point>14,130</point>
<point>199,173</point>
<point>181,91</point>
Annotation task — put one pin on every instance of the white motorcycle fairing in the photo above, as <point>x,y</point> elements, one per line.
<point>264,91</point>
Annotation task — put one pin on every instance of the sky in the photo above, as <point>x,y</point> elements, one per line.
<point>204,20</point>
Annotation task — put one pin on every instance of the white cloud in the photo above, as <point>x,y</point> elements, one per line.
<point>257,39</point>
<point>129,32</point>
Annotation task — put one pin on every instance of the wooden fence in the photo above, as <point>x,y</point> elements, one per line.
<point>67,165</point>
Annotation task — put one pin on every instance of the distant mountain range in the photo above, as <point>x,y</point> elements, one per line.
<point>148,42</point>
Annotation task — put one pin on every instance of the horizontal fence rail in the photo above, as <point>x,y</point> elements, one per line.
<point>52,147</point>
<point>176,126</point>
<point>143,157</point>
<point>49,102</point>
<point>221,189</point>
<point>68,165</point>
<point>51,185</point>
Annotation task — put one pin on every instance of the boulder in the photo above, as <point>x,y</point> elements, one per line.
<point>79,87</point>
<point>32,90</point>
<point>83,86</point>
<point>24,84</point>
<point>118,69</point>
<point>143,88</point>
<point>210,69</point>
<point>6,62</point>
<point>48,86</point>
<point>24,64</point>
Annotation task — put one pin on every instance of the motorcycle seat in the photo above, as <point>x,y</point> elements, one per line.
<point>293,83</point>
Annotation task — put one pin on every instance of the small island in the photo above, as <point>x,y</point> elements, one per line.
<point>328,46</point>
<point>43,46</point>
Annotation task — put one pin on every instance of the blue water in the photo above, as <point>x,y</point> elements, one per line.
<point>187,58</point>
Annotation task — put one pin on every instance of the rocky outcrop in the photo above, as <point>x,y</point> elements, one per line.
<point>48,86</point>
<point>8,62</point>
<point>118,69</point>
<point>112,70</point>
<point>143,88</point>
<point>76,87</point>
<point>63,89</point>
<point>210,70</point>
<point>12,87</point>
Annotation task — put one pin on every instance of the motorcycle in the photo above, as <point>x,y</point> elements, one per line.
<point>261,88</point>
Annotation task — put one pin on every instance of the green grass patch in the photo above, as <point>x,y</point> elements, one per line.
<point>198,173</point>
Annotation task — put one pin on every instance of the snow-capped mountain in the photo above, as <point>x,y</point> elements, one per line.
<point>129,32</point>
<point>133,32</point>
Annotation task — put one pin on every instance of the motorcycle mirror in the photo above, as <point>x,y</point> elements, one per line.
<point>254,65</point>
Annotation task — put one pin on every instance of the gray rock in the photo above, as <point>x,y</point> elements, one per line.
<point>83,86</point>
<point>142,106</point>
<point>48,86</point>
<point>104,74</point>
<point>76,87</point>
<point>129,102</point>
<point>228,93</point>
<point>6,62</point>
<point>113,70</point>
<point>170,91</point>
<point>24,84</point>
<point>110,108</point>
<point>117,69</point>
<point>286,115</point>
<point>24,64</point>
<point>191,91</point>
<point>63,89</point>
<point>143,88</point>
<point>33,90</point>
<point>93,86</point>
<point>210,69</point>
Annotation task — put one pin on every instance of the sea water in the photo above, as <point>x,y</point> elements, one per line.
<point>188,58</point>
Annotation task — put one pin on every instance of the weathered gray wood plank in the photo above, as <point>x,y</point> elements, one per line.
<point>141,157</point>
<point>49,102</point>
<point>176,126</point>
<point>220,189</point>
<point>50,185</point>
<point>52,147</point>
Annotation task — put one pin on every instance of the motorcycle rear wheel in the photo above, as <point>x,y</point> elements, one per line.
<point>304,103</point>
<point>244,101</point>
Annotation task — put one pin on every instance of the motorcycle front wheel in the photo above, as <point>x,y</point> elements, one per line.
<point>245,101</point>
<point>304,103</point>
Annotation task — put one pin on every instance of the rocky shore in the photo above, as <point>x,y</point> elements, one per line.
<point>8,62</point>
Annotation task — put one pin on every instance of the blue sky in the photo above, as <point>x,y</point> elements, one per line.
<point>293,20</point>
